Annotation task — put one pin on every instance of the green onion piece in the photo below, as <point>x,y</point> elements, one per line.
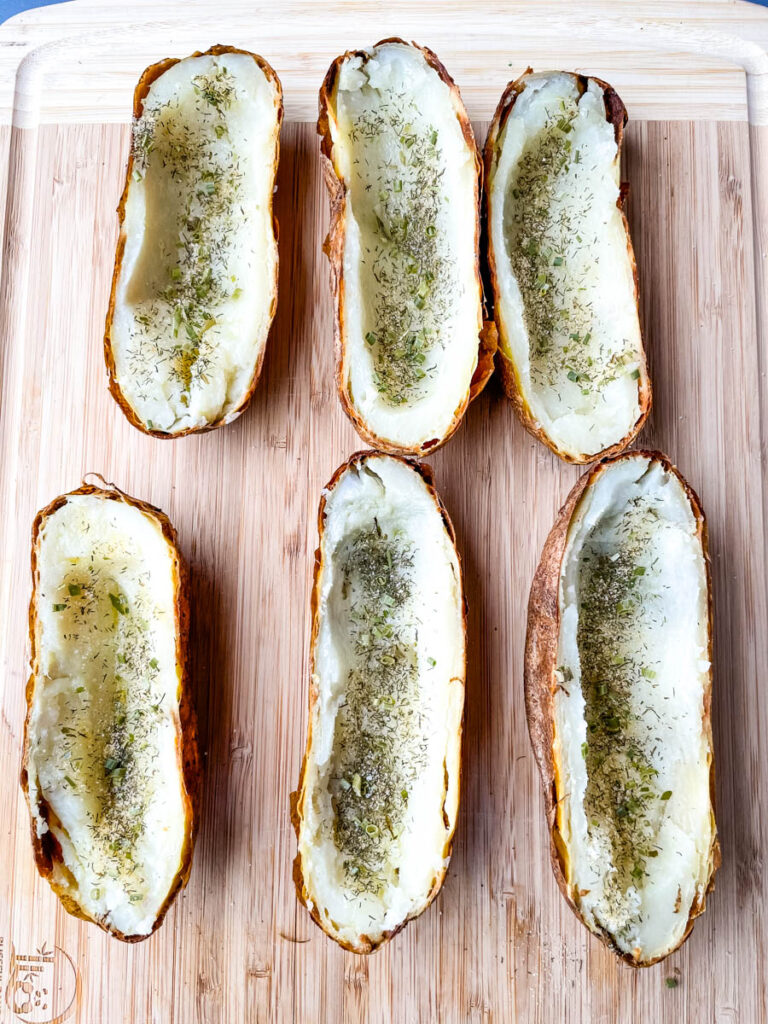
<point>120,603</point>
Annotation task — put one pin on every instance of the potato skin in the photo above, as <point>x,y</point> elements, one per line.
<point>333,247</point>
<point>150,75</point>
<point>616,115</point>
<point>46,849</point>
<point>539,679</point>
<point>366,944</point>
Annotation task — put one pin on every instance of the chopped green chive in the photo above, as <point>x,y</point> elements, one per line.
<point>120,603</point>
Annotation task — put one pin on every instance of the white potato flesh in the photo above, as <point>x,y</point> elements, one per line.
<point>196,290</point>
<point>104,718</point>
<point>565,285</point>
<point>631,752</point>
<point>382,778</point>
<point>411,301</point>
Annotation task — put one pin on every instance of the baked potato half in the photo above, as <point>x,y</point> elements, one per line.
<point>618,690</point>
<point>561,265</point>
<point>403,175</point>
<point>194,288</point>
<point>110,767</point>
<point>378,795</point>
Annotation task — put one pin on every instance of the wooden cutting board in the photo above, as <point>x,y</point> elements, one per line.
<point>499,944</point>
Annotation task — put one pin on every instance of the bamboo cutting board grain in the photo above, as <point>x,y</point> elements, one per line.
<point>499,945</point>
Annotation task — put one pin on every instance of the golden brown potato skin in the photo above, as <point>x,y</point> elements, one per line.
<point>616,115</point>
<point>366,944</point>
<point>150,75</point>
<point>46,849</point>
<point>541,662</point>
<point>334,250</point>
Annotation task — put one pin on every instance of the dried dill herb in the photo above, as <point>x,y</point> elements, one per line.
<point>552,256</point>
<point>406,265</point>
<point>380,744</point>
<point>622,799</point>
<point>175,326</point>
<point>107,743</point>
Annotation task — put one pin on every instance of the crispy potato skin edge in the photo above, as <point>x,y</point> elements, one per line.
<point>187,748</point>
<point>150,75</point>
<point>616,115</point>
<point>541,662</point>
<point>334,250</point>
<point>365,943</point>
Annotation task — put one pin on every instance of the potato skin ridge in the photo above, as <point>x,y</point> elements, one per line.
<point>367,945</point>
<point>333,247</point>
<point>539,681</point>
<point>616,115</point>
<point>46,849</point>
<point>150,75</point>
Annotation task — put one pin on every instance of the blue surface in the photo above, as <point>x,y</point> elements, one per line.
<point>10,7</point>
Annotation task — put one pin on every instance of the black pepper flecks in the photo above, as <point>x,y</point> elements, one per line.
<point>618,604</point>
<point>106,734</point>
<point>381,737</point>
<point>191,153</point>
<point>551,253</point>
<point>409,276</point>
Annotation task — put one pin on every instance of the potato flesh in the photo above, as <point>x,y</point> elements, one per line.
<point>416,714</point>
<point>412,312</point>
<point>566,294</point>
<point>102,731</point>
<point>631,754</point>
<point>197,285</point>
